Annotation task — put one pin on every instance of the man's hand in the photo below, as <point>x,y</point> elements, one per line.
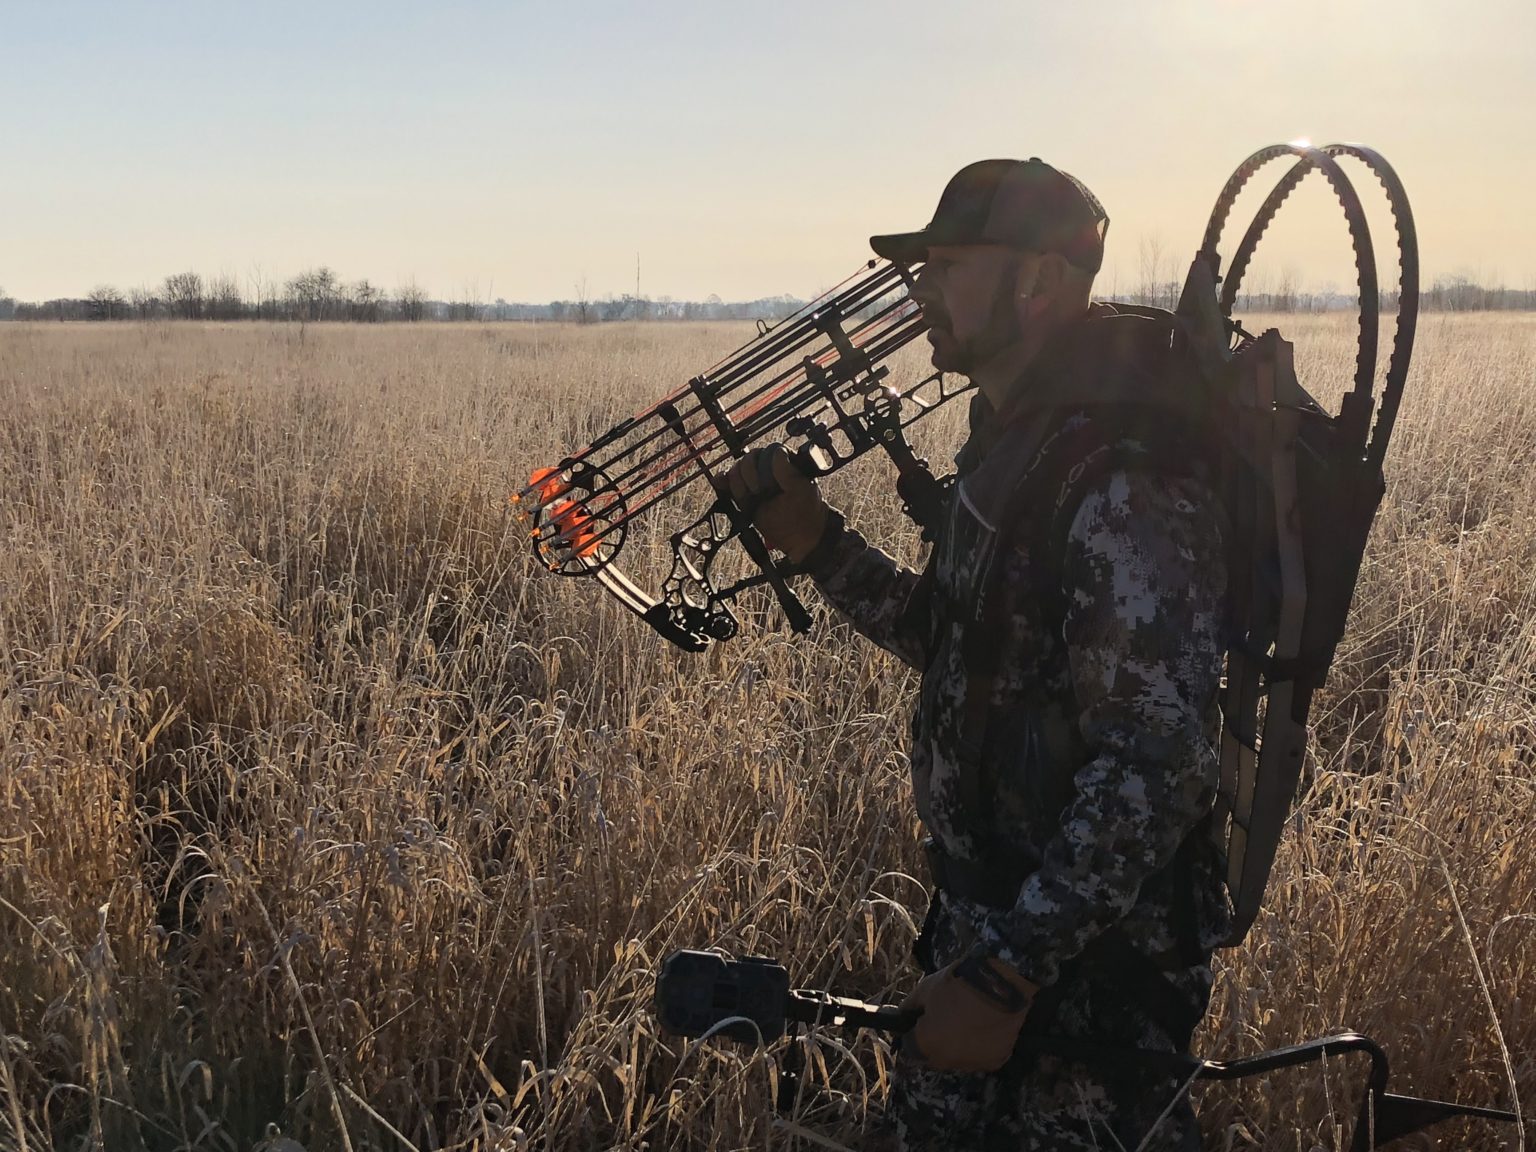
<point>784,502</point>
<point>961,1029</point>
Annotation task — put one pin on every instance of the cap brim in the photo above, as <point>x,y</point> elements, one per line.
<point>902,247</point>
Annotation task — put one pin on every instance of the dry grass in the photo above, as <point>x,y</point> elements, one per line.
<point>320,807</point>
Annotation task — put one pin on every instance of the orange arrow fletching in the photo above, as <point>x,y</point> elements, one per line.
<point>573,524</point>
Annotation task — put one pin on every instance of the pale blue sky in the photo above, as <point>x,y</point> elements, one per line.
<point>514,149</point>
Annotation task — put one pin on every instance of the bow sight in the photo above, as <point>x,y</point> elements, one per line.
<point>816,381</point>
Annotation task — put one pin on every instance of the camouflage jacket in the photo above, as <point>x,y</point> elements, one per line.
<point>1098,761</point>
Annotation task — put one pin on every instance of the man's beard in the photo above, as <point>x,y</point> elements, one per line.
<point>949,354</point>
<point>952,354</point>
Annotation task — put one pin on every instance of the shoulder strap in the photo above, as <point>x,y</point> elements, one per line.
<point>1046,498</point>
<point>1115,398</point>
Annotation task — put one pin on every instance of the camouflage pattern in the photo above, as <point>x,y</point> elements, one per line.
<point>1044,1101</point>
<point>1098,761</point>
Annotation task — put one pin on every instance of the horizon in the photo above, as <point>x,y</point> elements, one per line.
<point>516,153</point>
<point>285,300</point>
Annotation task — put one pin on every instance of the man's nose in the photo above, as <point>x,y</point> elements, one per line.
<point>923,289</point>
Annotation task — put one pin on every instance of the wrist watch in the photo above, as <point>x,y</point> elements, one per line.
<point>983,973</point>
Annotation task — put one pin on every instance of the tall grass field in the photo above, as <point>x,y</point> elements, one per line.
<point>328,816</point>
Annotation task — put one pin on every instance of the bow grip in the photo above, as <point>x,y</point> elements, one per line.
<point>751,539</point>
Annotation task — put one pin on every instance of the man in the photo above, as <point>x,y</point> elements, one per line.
<point>1068,628</point>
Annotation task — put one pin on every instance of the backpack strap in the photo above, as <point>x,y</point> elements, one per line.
<point>1159,424</point>
<point>1045,500</point>
<point>1050,446</point>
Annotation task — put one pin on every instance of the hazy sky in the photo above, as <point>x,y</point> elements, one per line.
<point>514,149</point>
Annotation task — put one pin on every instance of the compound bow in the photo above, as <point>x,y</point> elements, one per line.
<point>817,382</point>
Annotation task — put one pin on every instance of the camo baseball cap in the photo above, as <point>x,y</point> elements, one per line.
<point>1024,204</point>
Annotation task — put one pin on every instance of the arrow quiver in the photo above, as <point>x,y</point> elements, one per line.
<point>818,382</point>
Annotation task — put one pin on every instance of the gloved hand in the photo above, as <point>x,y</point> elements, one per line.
<point>785,504</point>
<point>961,1029</point>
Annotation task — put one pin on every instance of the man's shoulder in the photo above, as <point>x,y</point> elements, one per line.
<point>1044,469</point>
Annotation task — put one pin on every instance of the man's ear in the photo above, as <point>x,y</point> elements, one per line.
<point>1031,296</point>
<point>1051,273</point>
<point>1041,285</point>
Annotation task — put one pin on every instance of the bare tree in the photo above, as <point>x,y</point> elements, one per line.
<point>264,299</point>
<point>7,306</point>
<point>1158,286</point>
<point>143,302</point>
<point>1285,294</point>
<point>363,302</point>
<point>583,303</point>
<point>184,295</point>
<point>411,301</point>
<point>315,293</point>
<point>254,284</point>
<point>105,303</point>
<point>469,305</point>
<point>224,299</point>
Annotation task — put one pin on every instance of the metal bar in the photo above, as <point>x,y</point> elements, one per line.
<point>1360,238</point>
<point>783,380</point>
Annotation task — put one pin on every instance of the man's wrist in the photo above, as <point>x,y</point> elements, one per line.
<point>1011,974</point>
<point>821,551</point>
<point>999,983</point>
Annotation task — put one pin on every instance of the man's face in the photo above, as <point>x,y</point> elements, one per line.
<point>969,296</point>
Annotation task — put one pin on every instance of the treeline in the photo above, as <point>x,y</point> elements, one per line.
<point>1460,294</point>
<point>319,294</point>
<point>1455,294</point>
